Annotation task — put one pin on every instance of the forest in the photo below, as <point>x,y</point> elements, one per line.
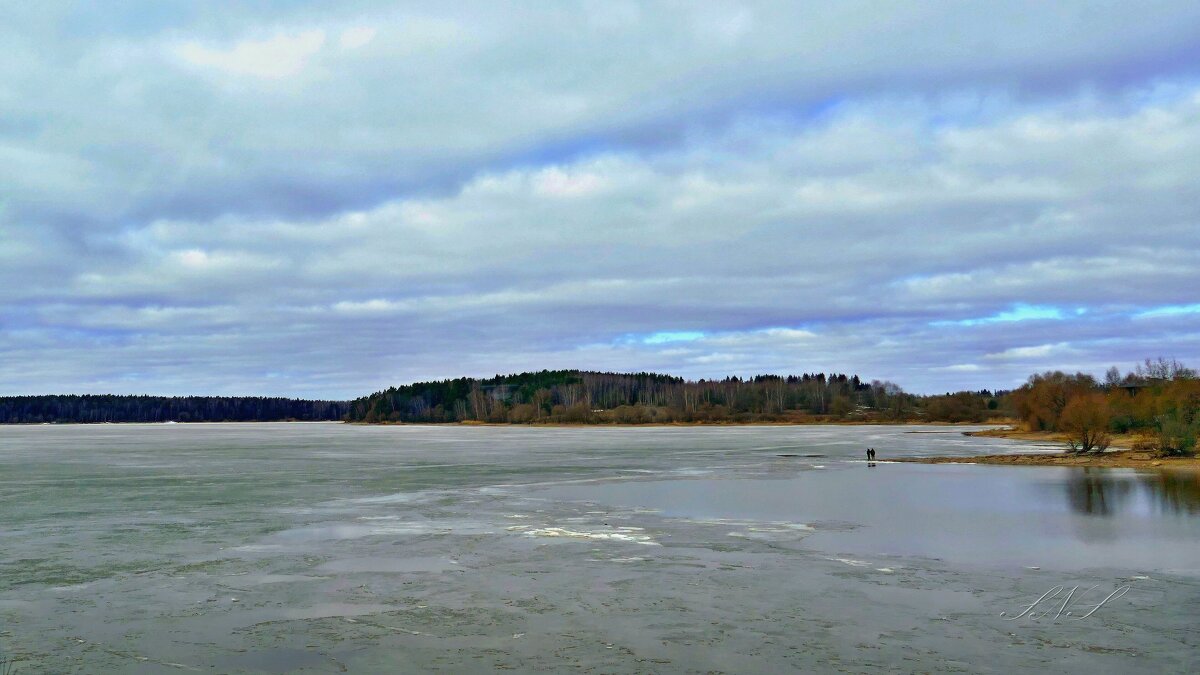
<point>100,408</point>
<point>1157,404</point>
<point>584,397</point>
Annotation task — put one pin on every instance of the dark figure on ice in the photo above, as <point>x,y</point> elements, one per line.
<point>870,454</point>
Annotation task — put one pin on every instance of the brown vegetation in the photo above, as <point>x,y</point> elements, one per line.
<point>1085,420</point>
<point>1159,400</point>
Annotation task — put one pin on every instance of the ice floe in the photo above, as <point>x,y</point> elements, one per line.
<point>632,535</point>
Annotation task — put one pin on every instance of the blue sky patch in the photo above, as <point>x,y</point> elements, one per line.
<point>1019,312</point>
<point>672,336</point>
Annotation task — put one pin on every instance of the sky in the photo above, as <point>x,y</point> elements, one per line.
<point>326,199</point>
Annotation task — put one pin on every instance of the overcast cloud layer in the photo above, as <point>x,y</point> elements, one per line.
<point>297,200</point>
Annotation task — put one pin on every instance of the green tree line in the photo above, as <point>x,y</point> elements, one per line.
<point>100,408</point>
<point>584,397</point>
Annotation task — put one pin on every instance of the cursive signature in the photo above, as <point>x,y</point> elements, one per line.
<point>1059,601</point>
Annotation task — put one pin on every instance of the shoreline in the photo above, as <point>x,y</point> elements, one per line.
<point>813,423</point>
<point>1011,431</point>
<point>569,425</point>
<point>573,425</point>
<point>1121,454</point>
<point>1111,459</point>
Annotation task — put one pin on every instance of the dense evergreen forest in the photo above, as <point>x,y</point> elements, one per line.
<point>582,397</point>
<point>100,408</point>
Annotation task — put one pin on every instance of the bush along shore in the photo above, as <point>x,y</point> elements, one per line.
<point>1153,409</point>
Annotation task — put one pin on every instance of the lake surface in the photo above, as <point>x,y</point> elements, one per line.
<point>326,548</point>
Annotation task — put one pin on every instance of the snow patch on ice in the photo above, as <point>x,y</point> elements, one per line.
<point>623,534</point>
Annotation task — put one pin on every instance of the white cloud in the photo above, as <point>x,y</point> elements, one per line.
<point>375,306</point>
<point>554,182</point>
<point>961,368</point>
<point>356,37</point>
<point>194,258</point>
<point>1034,352</point>
<point>281,55</point>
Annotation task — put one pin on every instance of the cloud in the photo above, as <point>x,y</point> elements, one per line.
<point>280,55</point>
<point>1035,352</point>
<point>323,201</point>
<point>961,368</point>
<point>356,37</point>
<point>375,306</point>
<point>554,182</point>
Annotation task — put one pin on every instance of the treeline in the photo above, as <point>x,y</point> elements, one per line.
<point>583,397</point>
<point>100,408</point>
<point>1158,401</point>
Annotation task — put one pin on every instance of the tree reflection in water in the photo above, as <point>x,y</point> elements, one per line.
<point>1101,492</point>
<point>1096,492</point>
<point>1177,491</point>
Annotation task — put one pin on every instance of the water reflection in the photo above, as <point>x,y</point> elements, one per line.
<point>1103,492</point>
<point>1178,491</point>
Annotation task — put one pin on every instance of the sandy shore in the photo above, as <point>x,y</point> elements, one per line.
<point>1113,459</point>
<point>1046,437</point>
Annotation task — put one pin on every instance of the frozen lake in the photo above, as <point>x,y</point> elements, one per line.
<point>326,548</point>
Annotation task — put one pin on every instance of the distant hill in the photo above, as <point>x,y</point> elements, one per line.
<point>99,408</point>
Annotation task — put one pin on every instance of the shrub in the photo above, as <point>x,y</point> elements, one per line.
<point>1085,419</point>
<point>1176,436</point>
